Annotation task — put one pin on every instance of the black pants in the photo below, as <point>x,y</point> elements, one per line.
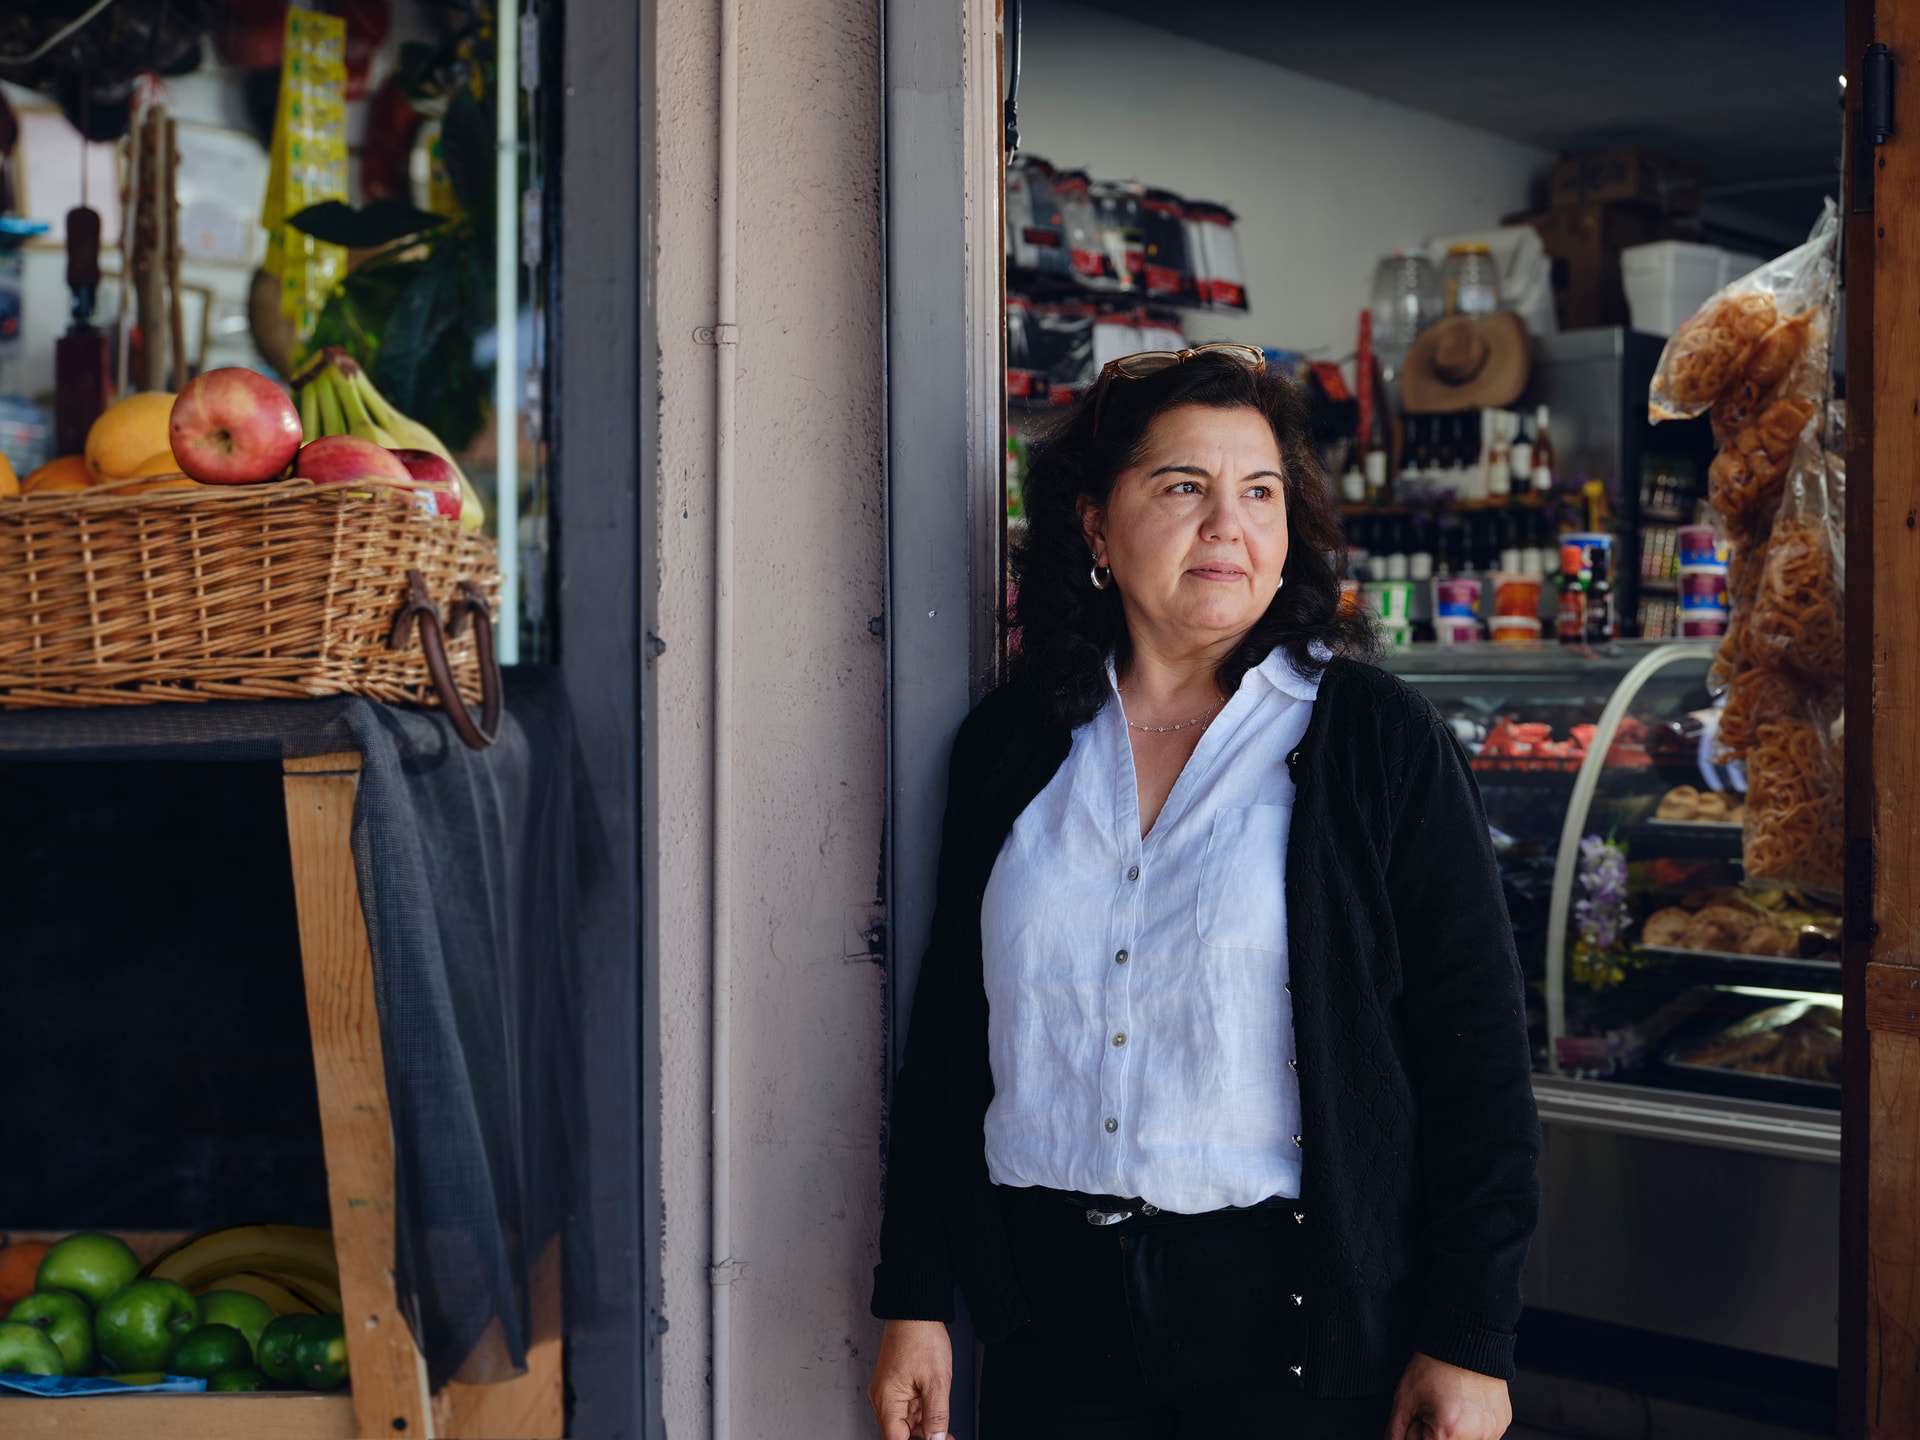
<point>1161,1327</point>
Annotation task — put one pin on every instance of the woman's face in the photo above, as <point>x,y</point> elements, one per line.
<point>1196,532</point>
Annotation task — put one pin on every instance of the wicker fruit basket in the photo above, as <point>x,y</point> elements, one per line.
<point>239,593</point>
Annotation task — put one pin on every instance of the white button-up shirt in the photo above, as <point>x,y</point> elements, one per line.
<point>1140,1026</point>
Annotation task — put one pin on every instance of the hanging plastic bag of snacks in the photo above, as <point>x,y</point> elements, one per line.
<point>1755,358</point>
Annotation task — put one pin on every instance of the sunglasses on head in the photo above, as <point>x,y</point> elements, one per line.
<point>1143,363</point>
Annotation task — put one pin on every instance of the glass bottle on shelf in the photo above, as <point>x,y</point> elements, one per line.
<point>1575,576</point>
<point>1543,456</point>
<point>1394,566</point>
<point>1520,456</point>
<point>1533,560</point>
<point>1499,456</point>
<point>1420,555</point>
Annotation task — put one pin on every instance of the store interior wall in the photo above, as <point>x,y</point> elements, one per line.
<point>1324,179</point>
<point>809,753</point>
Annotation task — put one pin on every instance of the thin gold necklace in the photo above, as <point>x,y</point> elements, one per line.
<point>1213,710</point>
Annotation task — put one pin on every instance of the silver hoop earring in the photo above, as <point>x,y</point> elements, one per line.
<point>1094,575</point>
<point>1282,585</point>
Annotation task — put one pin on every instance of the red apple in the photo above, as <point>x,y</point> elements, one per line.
<point>233,426</point>
<point>342,459</point>
<point>440,478</point>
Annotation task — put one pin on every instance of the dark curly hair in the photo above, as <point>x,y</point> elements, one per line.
<point>1067,629</point>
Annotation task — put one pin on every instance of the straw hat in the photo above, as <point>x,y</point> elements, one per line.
<point>1465,362</point>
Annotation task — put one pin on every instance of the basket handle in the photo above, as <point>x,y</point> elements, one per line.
<point>433,641</point>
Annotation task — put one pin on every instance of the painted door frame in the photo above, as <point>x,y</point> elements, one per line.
<point>946,395</point>
<point>605,400</point>
<point>1880,1138</point>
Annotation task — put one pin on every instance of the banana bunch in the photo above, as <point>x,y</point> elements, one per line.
<point>290,1267</point>
<point>338,397</point>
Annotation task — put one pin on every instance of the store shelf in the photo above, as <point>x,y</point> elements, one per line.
<point>1683,840</point>
<point>178,1417</point>
<point>1824,966</point>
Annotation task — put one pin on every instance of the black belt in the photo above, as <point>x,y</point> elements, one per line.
<point>1112,1209</point>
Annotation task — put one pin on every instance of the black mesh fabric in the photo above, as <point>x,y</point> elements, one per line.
<point>469,868</point>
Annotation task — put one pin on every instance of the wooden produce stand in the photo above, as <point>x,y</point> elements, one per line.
<point>389,1394</point>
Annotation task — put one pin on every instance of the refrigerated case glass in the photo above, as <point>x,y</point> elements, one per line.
<point>1650,961</point>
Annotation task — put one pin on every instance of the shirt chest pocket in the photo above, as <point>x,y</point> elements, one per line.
<point>1242,903</point>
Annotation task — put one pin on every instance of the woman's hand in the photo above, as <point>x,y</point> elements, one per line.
<point>1437,1401</point>
<point>911,1380</point>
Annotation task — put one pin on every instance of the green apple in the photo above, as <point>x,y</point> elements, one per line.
<point>248,1314</point>
<point>90,1264</point>
<point>65,1319</point>
<point>141,1323</point>
<point>25,1350</point>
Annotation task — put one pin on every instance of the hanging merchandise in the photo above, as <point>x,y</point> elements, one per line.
<point>1215,246</point>
<point>1168,272</point>
<point>1086,248</point>
<point>1756,356</point>
<point>1036,238</point>
<point>1026,383</point>
<point>1161,329</point>
<point>1117,204</point>
<point>1116,332</point>
<point>309,163</point>
<point>1060,346</point>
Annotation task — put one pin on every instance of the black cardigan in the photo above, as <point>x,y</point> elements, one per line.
<point>1419,1190</point>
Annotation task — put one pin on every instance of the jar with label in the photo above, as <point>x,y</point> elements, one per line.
<point>1470,280</point>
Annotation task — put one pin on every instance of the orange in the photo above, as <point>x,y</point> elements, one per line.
<point>129,431</point>
<point>9,481</point>
<point>19,1262</point>
<point>66,476</point>
<point>161,464</point>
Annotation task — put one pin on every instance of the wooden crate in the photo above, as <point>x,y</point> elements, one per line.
<point>389,1394</point>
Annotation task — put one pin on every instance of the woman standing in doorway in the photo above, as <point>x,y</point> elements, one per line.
<point>1217,1101</point>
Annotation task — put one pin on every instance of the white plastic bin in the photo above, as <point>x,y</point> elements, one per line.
<point>1670,279</point>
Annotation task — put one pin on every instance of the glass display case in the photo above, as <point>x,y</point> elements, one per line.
<point>1649,960</point>
<point>1684,1022</point>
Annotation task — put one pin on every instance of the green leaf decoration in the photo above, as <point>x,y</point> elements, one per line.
<point>381,222</point>
<point>466,146</point>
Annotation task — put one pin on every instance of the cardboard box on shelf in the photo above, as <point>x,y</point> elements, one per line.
<point>1629,176</point>
<point>1584,243</point>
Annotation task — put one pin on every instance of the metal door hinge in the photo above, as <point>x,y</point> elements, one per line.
<point>717,335</point>
<point>867,933</point>
<point>1876,92</point>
